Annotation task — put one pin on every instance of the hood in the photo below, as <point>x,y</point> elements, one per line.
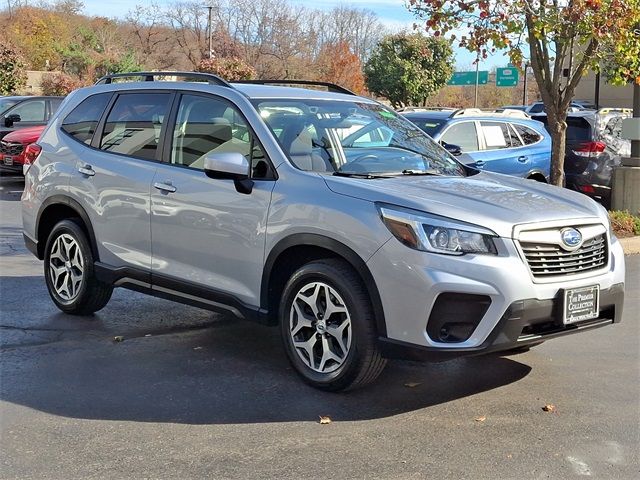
<point>25,135</point>
<point>494,201</point>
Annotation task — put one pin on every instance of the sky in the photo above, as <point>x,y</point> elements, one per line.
<point>392,13</point>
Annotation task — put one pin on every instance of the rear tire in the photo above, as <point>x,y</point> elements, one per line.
<point>327,326</point>
<point>69,272</point>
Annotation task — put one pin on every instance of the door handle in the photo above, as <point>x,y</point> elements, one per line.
<point>165,187</point>
<point>87,170</point>
<point>523,158</point>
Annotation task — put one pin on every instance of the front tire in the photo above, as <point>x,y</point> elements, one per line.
<point>327,325</point>
<point>69,273</point>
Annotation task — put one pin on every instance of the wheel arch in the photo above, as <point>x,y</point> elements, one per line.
<point>55,209</point>
<point>538,176</point>
<point>293,251</point>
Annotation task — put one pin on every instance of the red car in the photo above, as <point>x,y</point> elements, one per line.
<point>14,153</point>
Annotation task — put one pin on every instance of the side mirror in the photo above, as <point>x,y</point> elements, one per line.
<point>11,119</point>
<point>229,166</point>
<point>452,149</point>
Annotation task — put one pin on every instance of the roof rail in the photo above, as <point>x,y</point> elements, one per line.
<point>425,109</point>
<point>500,112</point>
<point>151,77</point>
<point>331,87</point>
<point>606,110</point>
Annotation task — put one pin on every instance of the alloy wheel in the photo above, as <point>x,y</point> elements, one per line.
<point>320,327</point>
<point>66,267</point>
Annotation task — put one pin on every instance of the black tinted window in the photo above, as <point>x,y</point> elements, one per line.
<point>133,126</point>
<point>81,123</point>
<point>428,125</point>
<point>537,108</point>
<point>528,135</point>
<point>463,135</point>
<point>578,130</point>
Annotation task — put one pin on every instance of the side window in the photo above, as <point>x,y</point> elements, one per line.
<point>208,125</point>
<point>54,104</point>
<point>537,108</point>
<point>464,135</point>
<point>528,135</point>
<point>81,123</point>
<point>134,123</point>
<point>30,111</point>
<point>515,140</point>
<point>497,135</point>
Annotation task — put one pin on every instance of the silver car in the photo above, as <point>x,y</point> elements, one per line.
<point>247,198</point>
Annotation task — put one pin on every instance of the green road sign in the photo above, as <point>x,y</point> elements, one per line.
<point>469,78</point>
<point>506,77</point>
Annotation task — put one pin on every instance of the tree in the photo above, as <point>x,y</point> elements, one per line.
<point>60,84</point>
<point>408,68</point>
<point>12,70</point>
<point>229,68</point>
<point>564,39</point>
<point>338,64</point>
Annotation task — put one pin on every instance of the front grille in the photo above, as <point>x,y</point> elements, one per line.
<point>11,148</point>
<point>546,260</point>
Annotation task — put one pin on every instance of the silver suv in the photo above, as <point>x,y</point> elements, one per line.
<point>252,199</point>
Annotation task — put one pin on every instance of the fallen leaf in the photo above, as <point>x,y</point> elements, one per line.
<point>118,338</point>
<point>412,384</point>
<point>481,419</point>
<point>148,335</point>
<point>197,348</point>
<point>325,420</point>
<point>549,408</point>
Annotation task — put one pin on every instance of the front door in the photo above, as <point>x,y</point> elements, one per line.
<point>204,232</point>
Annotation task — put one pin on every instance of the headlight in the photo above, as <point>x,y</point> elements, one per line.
<point>432,233</point>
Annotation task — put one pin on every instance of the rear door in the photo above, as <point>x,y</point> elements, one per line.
<point>502,152</point>
<point>206,234</point>
<point>113,179</point>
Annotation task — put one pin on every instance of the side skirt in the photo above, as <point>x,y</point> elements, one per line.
<point>188,293</point>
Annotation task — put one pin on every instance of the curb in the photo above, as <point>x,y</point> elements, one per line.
<point>630,245</point>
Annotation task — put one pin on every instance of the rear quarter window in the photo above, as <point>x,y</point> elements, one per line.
<point>81,123</point>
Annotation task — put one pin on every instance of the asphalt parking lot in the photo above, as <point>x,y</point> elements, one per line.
<point>192,394</point>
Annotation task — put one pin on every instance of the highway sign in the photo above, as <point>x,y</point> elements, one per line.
<point>506,77</point>
<point>469,78</point>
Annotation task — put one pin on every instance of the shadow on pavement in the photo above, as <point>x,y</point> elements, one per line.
<point>215,370</point>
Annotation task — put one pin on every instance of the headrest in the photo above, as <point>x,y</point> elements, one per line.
<point>302,144</point>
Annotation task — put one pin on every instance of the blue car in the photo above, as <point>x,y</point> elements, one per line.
<point>505,141</point>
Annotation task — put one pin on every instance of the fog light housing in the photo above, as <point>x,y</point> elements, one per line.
<point>455,316</point>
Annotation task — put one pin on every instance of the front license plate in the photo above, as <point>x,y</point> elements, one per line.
<point>8,160</point>
<point>581,304</point>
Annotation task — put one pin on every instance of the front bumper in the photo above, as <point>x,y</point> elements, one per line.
<point>525,322</point>
<point>521,309</point>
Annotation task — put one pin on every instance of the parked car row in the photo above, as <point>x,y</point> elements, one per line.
<point>22,120</point>
<point>514,140</point>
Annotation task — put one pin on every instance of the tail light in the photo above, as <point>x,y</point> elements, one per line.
<point>590,149</point>
<point>30,156</point>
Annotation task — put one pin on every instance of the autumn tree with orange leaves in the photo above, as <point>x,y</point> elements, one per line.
<point>562,38</point>
<point>338,64</point>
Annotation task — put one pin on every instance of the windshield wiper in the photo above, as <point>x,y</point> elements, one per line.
<point>359,175</point>
<point>421,172</point>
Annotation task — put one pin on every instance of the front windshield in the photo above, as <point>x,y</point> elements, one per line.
<point>6,104</point>
<point>353,138</point>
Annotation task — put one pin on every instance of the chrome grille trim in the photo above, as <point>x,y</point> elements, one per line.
<point>550,260</point>
<point>11,148</point>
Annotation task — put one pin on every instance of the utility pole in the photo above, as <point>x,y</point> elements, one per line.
<point>524,92</point>
<point>635,144</point>
<point>475,101</point>
<point>210,8</point>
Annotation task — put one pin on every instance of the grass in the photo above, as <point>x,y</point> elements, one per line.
<point>624,223</point>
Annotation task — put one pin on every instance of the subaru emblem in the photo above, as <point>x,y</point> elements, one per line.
<point>571,238</point>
